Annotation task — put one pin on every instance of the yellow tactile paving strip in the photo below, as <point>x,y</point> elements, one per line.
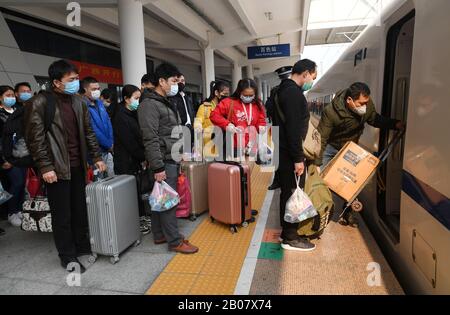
<point>215,269</point>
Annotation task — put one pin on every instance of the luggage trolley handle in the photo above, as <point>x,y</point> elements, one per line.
<point>388,150</point>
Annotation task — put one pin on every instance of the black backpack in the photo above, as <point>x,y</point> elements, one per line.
<point>270,103</point>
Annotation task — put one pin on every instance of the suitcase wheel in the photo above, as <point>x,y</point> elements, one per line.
<point>92,259</point>
<point>193,218</point>
<point>114,260</point>
<point>245,224</point>
<point>137,243</point>
<point>213,220</point>
<point>357,206</point>
<point>233,229</point>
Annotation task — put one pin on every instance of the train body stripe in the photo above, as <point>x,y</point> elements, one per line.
<point>436,203</point>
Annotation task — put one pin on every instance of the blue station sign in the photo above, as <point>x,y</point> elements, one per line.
<point>270,51</point>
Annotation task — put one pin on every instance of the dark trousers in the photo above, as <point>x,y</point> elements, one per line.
<point>286,177</point>
<point>67,199</point>
<point>276,180</point>
<point>13,182</point>
<point>165,224</point>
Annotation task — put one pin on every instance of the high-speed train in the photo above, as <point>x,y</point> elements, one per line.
<point>405,59</point>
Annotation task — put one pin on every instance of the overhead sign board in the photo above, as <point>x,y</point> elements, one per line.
<point>269,51</point>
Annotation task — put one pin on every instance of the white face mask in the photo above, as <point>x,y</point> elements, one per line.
<point>173,90</point>
<point>361,111</point>
<point>96,94</point>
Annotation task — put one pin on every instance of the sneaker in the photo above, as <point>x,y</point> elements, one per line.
<point>70,268</point>
<point>184,248</point>
<point>300,244</point>
<point>145,229</point>
<point>15,220</point>
<point>147,219</point>
<point>2,232</point>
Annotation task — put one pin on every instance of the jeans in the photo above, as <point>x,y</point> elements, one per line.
<point>329,153</point>
<point>67,199</point>
<point>165,224</point>
<point>15,178</point>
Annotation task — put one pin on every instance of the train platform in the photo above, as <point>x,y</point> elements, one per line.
<point>248,262</point>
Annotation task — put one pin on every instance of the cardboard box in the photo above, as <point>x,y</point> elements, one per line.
<point>349,172</point>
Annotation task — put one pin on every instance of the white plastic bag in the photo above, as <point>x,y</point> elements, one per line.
<point>4,195</point>
<point>299,207</point>
<point>163,197</point>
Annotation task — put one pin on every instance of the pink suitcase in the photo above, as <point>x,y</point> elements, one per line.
<point>229,191</point>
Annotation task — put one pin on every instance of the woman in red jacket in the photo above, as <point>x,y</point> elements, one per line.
<point>240,112</point>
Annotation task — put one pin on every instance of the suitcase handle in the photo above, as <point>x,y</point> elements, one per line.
<point>101,177</point>
<point>388,150</point>
<point>245,185</point>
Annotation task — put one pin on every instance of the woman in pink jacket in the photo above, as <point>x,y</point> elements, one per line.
<point>240,112</point>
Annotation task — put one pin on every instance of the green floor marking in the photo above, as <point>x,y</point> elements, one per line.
<point>270,251</point>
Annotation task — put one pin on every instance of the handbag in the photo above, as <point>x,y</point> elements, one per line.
<point>37,216</point>
<point>184,191</point>
<point>33,183</point>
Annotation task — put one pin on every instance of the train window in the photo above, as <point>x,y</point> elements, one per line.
<point>399,51</point>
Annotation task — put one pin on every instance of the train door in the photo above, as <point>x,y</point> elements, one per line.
<point>399,51</point>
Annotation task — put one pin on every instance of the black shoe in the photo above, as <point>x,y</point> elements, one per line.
<point>2,232</point>
<point>299,244</point>
<point>70,268</point>
<point>349,219</point>
<point>255,213</point>
<point>274,186</point>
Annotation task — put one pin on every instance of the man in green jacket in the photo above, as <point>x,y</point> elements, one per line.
<point>344,120</point>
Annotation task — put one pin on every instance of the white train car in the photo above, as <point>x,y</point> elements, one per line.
<point>405,59</point>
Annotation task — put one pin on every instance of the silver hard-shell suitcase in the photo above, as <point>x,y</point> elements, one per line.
<point>197,173</point>
<point>113,215</point>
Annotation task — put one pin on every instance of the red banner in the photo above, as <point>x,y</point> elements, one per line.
<point>101,73</point>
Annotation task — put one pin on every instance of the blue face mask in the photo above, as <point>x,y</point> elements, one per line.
<point>9,101</point>
<point>72,87</point>
<point>134,105</point>
<point>247,99</point>
<point>173,90</point>
<point>25,96</point>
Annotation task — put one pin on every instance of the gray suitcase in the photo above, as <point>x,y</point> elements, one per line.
<point>113,215</point>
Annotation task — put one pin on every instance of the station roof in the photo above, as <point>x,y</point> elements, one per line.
<point>340,21</point>
<point>176,30</point>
